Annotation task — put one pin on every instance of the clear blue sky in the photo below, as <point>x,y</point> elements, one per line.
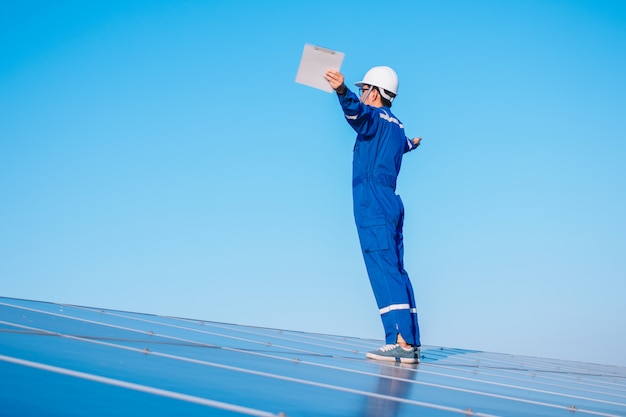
<point>158,156</point>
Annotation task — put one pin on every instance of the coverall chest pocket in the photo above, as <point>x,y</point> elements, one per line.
<point>373,234</point>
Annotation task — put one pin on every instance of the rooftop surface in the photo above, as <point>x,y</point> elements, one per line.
<point>67,360</point>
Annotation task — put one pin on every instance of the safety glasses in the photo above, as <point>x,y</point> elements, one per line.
<point>366,91</point>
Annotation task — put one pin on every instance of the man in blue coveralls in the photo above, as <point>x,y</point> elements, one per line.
<point>378,211</point>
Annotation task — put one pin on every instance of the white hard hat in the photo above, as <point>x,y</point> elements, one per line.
<point>382,77</point>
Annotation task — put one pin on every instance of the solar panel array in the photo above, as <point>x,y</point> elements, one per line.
<point>66,360</point>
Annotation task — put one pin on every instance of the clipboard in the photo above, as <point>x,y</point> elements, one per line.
<point>314,63</point>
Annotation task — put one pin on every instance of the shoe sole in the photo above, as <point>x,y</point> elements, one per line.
<point>391,358</point>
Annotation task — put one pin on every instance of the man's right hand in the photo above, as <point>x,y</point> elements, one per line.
<point>335,79</point>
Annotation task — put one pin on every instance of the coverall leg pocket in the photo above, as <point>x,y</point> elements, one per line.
<point>373,234</point>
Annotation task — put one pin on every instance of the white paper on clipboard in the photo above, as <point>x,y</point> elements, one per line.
<point>314,63</point>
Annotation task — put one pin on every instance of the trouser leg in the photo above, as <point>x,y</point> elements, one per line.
<point>394,296</point>
<point>382,247</point>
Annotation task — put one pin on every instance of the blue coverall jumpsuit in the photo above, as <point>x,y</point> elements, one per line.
<point>379,213</point>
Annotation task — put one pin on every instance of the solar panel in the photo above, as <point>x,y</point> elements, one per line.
<point>66,360</point>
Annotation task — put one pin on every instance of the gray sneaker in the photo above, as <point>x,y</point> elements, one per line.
<point>395,353</point>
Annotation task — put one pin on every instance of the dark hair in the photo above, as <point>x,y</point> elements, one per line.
<point>385,102</point>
